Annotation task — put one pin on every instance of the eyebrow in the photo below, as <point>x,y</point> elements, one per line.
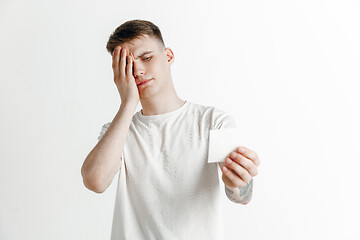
<point>144,53</point>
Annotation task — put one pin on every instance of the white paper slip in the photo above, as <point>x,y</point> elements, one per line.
<point>222,142</point>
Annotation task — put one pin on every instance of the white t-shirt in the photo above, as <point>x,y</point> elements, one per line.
<point>166,188</point>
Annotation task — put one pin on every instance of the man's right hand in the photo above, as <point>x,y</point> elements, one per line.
<point>123,75</point>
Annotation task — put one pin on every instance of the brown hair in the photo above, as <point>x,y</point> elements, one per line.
<point>133,29</point>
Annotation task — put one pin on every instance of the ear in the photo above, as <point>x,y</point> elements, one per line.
<point>170,57</point>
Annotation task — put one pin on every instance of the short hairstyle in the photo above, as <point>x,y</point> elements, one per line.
<point>133,29</point>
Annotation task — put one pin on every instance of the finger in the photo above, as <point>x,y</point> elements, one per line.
<point>227,181</point>
<point>249,154</point>
<point>221,164</point>
<point>245,163</point>
<point>115,59</point>
<point>239,170</point>
<point>122,62</point>
<point>129,65</point>
<point>234,179</point>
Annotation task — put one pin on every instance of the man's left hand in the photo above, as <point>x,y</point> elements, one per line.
<point>239,167</point>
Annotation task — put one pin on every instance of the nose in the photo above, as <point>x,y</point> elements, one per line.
<point>138,69</point>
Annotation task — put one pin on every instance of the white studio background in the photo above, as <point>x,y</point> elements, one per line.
<point>288,71</point>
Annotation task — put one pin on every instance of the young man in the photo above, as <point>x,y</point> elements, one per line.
<point>166,188</point>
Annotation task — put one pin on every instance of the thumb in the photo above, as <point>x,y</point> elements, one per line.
<point>221,164</point>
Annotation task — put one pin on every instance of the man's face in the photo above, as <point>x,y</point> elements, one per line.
<point>151,62</point>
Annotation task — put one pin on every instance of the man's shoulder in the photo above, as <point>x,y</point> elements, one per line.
<point>213,110</point>
<point>215,116</point>
<point>201,107</point>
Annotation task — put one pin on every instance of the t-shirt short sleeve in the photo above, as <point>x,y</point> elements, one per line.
<point>222,120</point>
<point>103,130</point>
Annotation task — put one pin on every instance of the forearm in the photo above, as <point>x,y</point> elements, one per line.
<point>240,195</point>
<point>104,160</point>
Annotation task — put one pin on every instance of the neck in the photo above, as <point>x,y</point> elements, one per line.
<point>161,104</point>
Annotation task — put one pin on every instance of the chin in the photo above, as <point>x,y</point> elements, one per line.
<point>148,92</point>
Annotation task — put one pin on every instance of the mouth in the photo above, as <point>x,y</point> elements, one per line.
<point>144,82</point>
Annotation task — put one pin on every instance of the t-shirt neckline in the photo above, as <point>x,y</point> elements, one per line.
<point>162,115</point>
